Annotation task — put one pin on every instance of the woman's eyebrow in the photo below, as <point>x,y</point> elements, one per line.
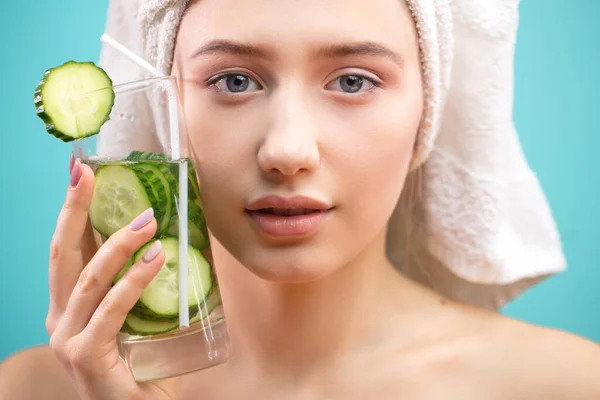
<point>234,48</point>
<point>360,49</point>
<point>366,48</point>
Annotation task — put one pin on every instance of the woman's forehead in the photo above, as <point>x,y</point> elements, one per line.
<point>299,22</point>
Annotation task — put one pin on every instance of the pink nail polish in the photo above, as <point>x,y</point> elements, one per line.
<point>141,220</point>
<point>75,173</point>
<point>152,252</point>
<point>72,162</point>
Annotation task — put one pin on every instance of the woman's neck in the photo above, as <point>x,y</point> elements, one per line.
<point>291,328</point>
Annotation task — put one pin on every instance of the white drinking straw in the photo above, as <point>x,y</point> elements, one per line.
<point>184,316</point>
<point>145,65</point>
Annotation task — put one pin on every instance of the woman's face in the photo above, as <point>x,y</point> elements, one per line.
<point>306,108</point>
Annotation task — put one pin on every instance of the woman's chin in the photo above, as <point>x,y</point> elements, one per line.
<point>289,272</point>
<point>295,267</point>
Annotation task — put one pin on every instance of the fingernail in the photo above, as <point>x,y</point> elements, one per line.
<point>75,173</point>
<point>152,252</point>
<point>141,220</point>
<point>71,162</point>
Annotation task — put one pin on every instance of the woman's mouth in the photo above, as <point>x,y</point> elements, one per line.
<point>287,212</point>
<point>288,217</point>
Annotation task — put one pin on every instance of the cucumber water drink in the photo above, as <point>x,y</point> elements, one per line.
<point>133,137</point>
<point>124,189</point>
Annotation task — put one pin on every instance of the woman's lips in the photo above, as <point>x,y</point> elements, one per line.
<point>277,225</point>
<point>296,216</point>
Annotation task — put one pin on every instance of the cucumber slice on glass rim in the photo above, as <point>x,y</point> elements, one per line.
<point>70,101</point>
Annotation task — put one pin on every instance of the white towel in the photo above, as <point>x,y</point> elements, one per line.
<point>487,230</point>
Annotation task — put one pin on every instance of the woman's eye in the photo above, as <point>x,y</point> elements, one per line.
<point>352,84</point>
<point>234,83</point>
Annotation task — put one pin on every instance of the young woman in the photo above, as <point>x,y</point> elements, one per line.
<point>313,106</point>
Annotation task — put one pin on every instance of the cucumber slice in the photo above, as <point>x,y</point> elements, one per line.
<point>143,327</point>
<point>141,324</point>
<point>145,313</point>
<point>197,226</point>
<point>193,189</point>
<point>119,196</point>
<point>212,301</point>
<point>141,311</point>
<point>198,234</point>
<point>169,170</point>
<point>171,179</point>
<point>193,209</point>
<point>159,192</point>
<point>196,223</point>
<point>60,103</point>
<point>161,296</point>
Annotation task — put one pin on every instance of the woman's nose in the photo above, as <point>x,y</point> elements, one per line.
<point>290,147</point>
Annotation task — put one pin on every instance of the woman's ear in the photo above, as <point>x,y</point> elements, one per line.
<point>415,157</point>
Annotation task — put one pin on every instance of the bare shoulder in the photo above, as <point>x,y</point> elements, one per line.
<point>492,356</point>
<point>35,373</point>
<point>539,362</point>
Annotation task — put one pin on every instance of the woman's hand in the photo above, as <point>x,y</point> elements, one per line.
<point>86,313</point>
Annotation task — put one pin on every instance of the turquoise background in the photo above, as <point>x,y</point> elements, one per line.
<point>556,111</point>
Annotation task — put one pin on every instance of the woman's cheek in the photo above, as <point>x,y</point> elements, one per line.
<point>373,161</point>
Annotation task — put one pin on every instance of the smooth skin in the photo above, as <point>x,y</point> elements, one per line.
<point>329,316</point>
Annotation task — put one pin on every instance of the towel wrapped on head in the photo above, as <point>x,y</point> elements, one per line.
<point>485,230</point>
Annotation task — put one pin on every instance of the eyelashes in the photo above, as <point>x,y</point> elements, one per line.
<point>239,83</point>
<point>353,83</point>
<point>234,83</point>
